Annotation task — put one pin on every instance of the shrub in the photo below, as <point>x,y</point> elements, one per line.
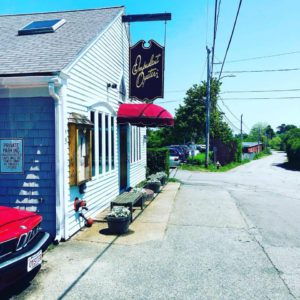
<point>238,149</point>
<point>158,160</point>
<point>275,143</point>
<point>292,145</point>
<point>198,159</point>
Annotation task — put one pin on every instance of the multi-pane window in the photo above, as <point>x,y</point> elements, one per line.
<point>112,143</point>
<point>100,142</point>
<point>103,143</point>
<point>140,145</point>
<point>106,144</point>
<point>93,143</point>
<point>136,144</point>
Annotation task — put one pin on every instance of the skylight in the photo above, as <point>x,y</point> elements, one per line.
<point>45,26</point>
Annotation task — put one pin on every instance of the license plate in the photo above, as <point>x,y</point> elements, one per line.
<point>34,261</point>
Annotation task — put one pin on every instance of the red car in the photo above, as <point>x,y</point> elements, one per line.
<point>22,243</point>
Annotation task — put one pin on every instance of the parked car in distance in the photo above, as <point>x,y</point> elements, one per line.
<point>22,243</point>
<point>174,158</point>
<point>184,149</point>
<point>193,150</point>
<point>181,152</point>
<point>201,147</point>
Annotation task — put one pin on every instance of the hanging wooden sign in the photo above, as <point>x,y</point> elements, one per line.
<point>146,80</point>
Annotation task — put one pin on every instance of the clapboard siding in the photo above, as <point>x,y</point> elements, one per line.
<point>105,62</point>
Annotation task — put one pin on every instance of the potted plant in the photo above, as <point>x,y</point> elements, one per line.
<point>118,219</point>
<point>162,176</point>
<point>153,184</point>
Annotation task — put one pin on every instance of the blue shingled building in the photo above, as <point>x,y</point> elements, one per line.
<point>63,76</point>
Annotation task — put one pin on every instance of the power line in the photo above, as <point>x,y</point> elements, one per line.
<point>207,20</point>
<point>242,99</point>
<point>230,111</point>
<point>219,5</point>
<point>259,71</point>
<point>215,35</point>
<point>262,98</point>
<point>260,91</point>
<point>238,119</point>
<point>232,32</point>
<point>260,57</point>
<point>231,124</point>
<point>244,91</point>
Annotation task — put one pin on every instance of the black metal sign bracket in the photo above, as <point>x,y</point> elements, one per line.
<point>147,17</point>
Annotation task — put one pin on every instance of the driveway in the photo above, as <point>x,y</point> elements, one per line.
<point>232,235</point>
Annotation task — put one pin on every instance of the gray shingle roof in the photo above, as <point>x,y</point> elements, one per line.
<point>49,52</point>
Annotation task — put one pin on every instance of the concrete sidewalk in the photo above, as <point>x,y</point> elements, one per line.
<point>148,225</point>
<point>65,265</point>
<point>191,245</point>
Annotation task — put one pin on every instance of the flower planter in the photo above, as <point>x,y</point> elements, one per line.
<point>149,195</point>
<point>154,186</point>
<point>163,180</point>
<point>118,225</point>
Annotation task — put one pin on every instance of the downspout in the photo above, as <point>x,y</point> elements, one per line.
<point>59,163</point>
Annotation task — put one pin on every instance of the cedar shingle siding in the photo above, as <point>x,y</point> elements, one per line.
<point>31,119</point>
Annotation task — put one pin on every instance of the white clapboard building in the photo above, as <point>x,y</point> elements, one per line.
<point>63,77</point>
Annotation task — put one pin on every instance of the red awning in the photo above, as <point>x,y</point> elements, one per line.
<point>146,114</point>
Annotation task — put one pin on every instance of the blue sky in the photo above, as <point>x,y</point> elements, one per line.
<point>264,28</point>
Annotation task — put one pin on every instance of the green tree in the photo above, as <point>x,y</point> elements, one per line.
<point>269,132</point>
<point>257,132</point>
<point>160,137</point>
<point>190,121</point>
<point>283,128</point>
<point>275,143</point>
<point>292,145</point>
<point>190,116</point>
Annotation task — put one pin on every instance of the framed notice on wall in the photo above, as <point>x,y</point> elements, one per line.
<point>11,156</point>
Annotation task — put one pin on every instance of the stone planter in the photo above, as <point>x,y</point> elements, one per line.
<point>118,225</point>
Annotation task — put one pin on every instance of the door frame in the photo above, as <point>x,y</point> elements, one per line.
<point>128,139</point>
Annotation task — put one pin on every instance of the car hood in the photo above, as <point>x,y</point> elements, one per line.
<point>14,222</point>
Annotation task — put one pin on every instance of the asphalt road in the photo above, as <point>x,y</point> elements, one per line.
<point>268,197</point>
<point>232,235</point>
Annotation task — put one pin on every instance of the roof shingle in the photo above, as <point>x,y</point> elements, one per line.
<point>49,52</point>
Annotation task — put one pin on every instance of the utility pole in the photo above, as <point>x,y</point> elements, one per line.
<point>241,128</point>
<point>242,136</point>
<point>207,108</point>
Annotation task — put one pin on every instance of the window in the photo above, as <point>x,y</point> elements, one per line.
<point>136,145</point>
<point>100,142</point>
<point>140,145</point>
<point>93,143</point>
<point>112,143</point>
<point>103,146</point>
<point>106,144</point>
<point>45,26</point>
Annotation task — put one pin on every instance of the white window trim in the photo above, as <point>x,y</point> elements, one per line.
<point>136,145</point>
<point>110,115</point>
